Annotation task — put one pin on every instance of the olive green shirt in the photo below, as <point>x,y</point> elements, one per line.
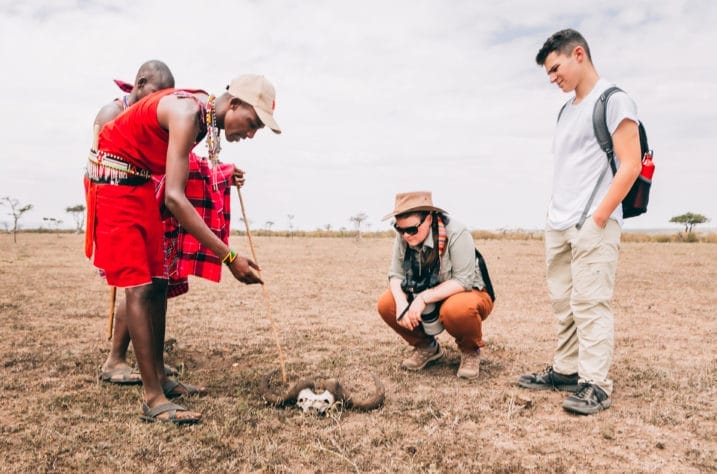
<point>458,262</point>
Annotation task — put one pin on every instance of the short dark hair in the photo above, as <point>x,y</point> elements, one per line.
<point>564,41</point>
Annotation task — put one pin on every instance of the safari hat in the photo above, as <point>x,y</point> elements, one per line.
<point>413,201</point>
<point>258,92</point>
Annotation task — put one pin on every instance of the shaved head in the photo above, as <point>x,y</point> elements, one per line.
<point>157,73</point>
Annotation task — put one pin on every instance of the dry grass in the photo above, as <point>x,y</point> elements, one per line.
<point>55,415</point>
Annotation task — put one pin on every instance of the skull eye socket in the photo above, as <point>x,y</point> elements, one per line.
<point>326,400</point>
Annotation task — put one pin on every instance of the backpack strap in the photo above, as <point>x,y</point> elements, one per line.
<point>602,134</point>
<point>484,274</point>
<point>562,109</point>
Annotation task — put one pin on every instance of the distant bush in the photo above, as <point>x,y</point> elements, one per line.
<point>318,233</point>
<point>507,234</point>
<point>516,234</point>
<point>639,237</point>
<point>688,237</point>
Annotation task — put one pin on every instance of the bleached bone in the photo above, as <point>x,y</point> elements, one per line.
<point>317,402</point>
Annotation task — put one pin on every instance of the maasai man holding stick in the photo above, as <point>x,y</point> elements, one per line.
<point>208,188</point>
<point>155,136</point>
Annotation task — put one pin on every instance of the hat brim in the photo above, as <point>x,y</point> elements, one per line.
<point>413,209</point>
<point>268,120</point>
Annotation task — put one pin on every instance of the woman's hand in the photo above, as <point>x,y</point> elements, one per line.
<point>412,318</point>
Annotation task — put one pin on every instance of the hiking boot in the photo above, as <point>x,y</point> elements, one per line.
<point>589,399</point>
<point>470,365</point>
<point>549,379</point>
<point>422,356</point>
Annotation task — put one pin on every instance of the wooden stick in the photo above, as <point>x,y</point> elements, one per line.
<point>264,290</point>
<point>111,320</point>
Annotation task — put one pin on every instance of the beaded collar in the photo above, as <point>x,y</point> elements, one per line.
<point>207,127</point>
<point>213,141</point>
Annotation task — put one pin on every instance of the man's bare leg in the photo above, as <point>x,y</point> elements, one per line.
<point>146,311</point>
<point>159,321</point>
<point>117,358</point>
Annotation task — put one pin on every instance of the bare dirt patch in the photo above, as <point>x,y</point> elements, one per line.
<point>56,416</point>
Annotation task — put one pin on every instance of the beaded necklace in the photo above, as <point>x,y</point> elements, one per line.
<point>213,142</point>
<point>214,145</point>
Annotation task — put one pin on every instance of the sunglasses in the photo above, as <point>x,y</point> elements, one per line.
<point>411,230</point>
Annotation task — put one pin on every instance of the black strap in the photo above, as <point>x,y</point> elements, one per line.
<point>128,181</point>
<point>562,109</point>
<point>484,274</point>
<point>602,135</point>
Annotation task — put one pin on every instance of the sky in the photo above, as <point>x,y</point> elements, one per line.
<point>374,98</point>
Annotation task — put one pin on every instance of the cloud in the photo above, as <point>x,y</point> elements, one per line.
<point>374,97</point>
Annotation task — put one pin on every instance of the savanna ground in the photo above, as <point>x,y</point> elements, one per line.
<point>56,416</point>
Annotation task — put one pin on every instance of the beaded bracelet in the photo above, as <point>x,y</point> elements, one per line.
<point>230,257</point>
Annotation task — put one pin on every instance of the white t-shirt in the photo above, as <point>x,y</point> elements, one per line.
<point>578,159</point>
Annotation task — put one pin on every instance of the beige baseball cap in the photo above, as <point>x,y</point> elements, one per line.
<point>258,92</point>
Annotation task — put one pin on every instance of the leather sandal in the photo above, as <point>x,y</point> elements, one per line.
<point>170,389</point>
<point>150,414</point>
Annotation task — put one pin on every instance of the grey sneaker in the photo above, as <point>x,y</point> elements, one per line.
<point>422,356</point>
<point>549,379</point>
<point>470,365</point>
<point>588,400</point>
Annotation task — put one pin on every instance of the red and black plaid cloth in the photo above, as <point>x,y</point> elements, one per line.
<point>209,191</point>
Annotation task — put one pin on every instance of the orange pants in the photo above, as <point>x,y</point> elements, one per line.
<point>461,314</point>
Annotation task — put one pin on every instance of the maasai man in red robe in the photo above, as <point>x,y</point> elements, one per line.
<point>154,137</point>
<point>208,189</point>
<point>152,76</point>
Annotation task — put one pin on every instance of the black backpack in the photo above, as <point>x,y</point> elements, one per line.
<point>635,202</point>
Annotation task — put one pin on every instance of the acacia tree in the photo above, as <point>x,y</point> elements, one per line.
<point>246,223</point>
<point>53,223</point>
<point>268,224</point>
<point>291,224</point>
<point>689,220</point>
<point>357,220</point>
<point>16,211</point>
<point>78,214</point>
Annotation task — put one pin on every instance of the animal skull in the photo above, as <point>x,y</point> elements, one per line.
<point>313,402</point>
<point>320,394</point>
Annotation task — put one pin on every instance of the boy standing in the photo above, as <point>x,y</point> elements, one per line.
<point>582,257</point>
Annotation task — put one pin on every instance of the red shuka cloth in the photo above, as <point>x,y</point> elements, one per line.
<point>183,254</point>
<point>136,136</point>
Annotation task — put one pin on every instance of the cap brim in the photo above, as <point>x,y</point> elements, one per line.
<point>268,120</point>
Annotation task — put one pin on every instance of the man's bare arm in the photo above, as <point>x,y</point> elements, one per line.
<point>626,143</point>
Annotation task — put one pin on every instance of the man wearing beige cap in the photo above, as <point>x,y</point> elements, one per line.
<point>155,137</point>
<point>437,280</point>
